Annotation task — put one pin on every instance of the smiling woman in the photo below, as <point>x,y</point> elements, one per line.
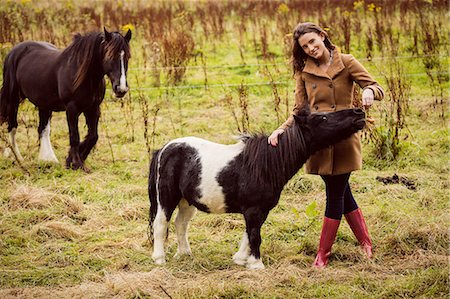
<point>325,81</point>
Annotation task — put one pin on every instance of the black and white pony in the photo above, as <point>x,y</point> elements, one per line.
<point>70,80</point>
<point>247,177</point>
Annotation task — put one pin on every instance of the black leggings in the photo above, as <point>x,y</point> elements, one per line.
<point>339,196</point>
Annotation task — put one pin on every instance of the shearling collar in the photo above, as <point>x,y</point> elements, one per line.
<point>334,69</point>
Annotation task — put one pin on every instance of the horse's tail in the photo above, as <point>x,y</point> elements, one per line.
<point>9,93</point>
<point>152,194</point>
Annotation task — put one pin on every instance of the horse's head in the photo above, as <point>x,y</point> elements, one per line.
<point>115,60</point>
<point>326,129</point>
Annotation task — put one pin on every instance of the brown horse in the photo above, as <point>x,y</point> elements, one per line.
<point>70,80</point>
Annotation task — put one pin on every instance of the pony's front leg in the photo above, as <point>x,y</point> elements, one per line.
<point>185,214</point>
<point>254,218</point>
<point>160,226</point>
<point>73,160</point>
<point>243,253</point>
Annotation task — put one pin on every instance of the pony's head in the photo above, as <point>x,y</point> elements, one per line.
<point>329,128</point>
<point>115,60</point>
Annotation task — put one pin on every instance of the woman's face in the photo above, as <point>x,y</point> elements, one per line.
<point>313,44</point>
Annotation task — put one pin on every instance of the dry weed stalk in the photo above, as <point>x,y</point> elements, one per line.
<point>243,106</point>
<point>228,101</point>
<point>387,136</point>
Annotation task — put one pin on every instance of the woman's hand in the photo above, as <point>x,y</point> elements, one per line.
<point>273,138</point>
<point>367,97</point>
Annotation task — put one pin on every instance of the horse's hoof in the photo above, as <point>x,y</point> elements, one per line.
<point>255,264</point>
<point>48,159</point>
<point>8,153</point>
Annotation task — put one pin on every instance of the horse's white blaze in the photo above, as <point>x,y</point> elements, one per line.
<point>123,78</point>
<point>46,152</point>
<point>213,158</point>
<point>243,253</point>
<point>15,148</point>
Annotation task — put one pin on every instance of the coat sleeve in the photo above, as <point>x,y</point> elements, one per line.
<point>300,100</point>
<point>362,77</point>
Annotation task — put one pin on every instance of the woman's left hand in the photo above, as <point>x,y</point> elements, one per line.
<point>367,97</point>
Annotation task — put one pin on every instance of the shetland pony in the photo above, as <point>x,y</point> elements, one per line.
<point>70,80</point>
<point>247,178</point>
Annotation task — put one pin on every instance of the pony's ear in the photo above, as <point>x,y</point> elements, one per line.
<point>301,116</point>
<point>108,35</point>
<point>128,35</point>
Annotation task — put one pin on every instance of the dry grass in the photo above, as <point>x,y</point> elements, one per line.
<point>67,234</point>
<point>29,197</point>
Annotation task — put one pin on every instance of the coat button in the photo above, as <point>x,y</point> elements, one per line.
<point>333,106</point>
<point>314,86</point>
<point>316,107</point>
<point>331,85</point>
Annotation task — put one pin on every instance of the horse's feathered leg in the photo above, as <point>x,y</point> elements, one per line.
<point>92,117</point>
<point>254,218</point>
<point>73,160</point>
<point>185,214</point>
<point>46,152</point>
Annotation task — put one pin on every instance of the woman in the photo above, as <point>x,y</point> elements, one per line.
<point>324,79</point>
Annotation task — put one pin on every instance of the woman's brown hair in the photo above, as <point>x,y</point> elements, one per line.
<point>298,55</point>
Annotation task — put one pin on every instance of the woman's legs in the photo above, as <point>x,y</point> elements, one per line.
<point>340,201</point>
<point>335,187</point>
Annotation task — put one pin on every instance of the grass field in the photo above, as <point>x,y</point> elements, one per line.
<point>70,234</point>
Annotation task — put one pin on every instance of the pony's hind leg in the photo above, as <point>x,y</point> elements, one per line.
<point>241,256</point>
<point>46,152</point>
<point>185,214</point>
<point>160,226</point>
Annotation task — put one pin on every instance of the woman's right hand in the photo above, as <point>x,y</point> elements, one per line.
<point>273,138</point>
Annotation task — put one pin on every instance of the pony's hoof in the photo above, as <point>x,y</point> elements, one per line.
<point>159,260</point>
<point>255,264</point>
<point>240,259</point>
<point>181,254</point>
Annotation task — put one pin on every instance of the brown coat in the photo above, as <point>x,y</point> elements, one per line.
<point>332,91</point>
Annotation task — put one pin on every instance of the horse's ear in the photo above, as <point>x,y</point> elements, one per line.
<point>108,35</point>
<point>128,35</point>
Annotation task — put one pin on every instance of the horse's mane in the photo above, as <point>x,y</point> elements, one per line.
<point>275,165</point>
<point>86,54</point>
<point>83,52</point>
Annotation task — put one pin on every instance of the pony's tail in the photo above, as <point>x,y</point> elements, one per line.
<point>9,93</point>
<point>152,194</point>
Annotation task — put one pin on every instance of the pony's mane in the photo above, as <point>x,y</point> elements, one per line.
<point>275,165</point>
<point>83,52</point>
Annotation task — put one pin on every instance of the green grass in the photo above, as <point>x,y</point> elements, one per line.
<point>67,233</point>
